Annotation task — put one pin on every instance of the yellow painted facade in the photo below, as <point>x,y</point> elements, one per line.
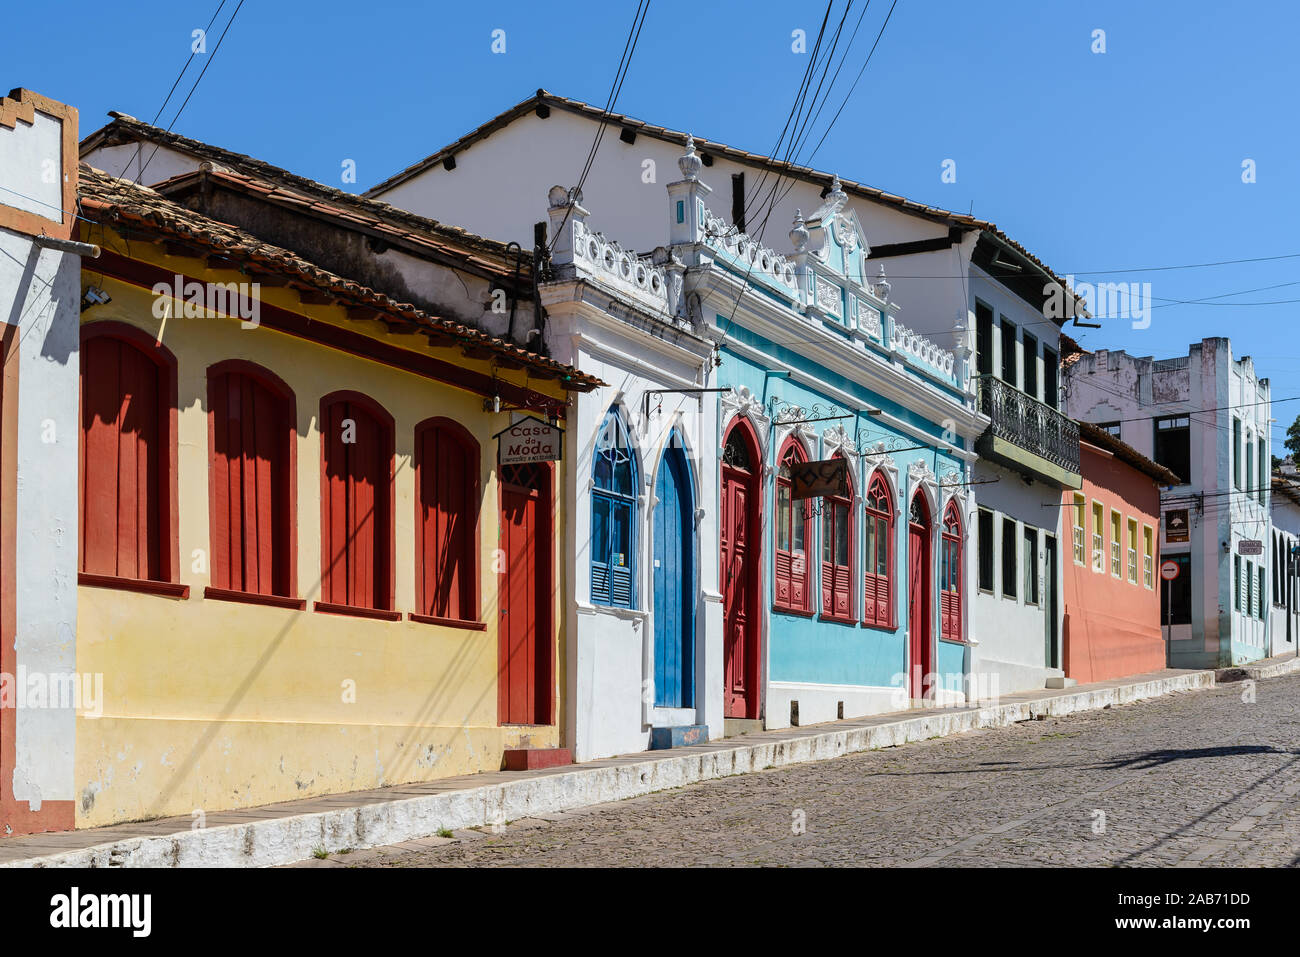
<point>216,705</point>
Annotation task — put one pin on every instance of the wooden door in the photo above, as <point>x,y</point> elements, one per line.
<point>524,640</point>
<point>918,597</point>
<point>1050,608</point>
<point>674,584</point>
<point>738,566</point>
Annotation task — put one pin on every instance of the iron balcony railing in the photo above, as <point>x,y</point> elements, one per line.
<point>1029,424</point>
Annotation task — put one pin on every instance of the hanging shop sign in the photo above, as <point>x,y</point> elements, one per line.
<point>529,440</point>
<point>829,477</point>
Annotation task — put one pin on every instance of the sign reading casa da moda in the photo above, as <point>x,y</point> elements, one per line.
<point>529,440</point>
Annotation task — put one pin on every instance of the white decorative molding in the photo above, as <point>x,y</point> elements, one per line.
<point>829,296</point>
<point>917,346</point>
<point>742,402</point>
<point>836,439</point>
<point>757,259</point>
<point>624,270</point>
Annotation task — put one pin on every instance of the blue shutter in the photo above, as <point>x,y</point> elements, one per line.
<point>600,535</point>
<point>620,558</point>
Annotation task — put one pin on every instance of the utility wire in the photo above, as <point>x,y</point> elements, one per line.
<point>139,147</point>
<point>215,50</point>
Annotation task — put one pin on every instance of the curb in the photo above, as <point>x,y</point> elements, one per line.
<point>1273,669</point>
<point>286,840</point>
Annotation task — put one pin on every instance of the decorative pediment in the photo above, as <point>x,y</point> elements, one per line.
<point>836,439</point>
<point>791,420</point>
<point>877,456</point>
<point>742,402</point>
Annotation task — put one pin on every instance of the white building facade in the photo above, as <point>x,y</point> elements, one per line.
<point>1205,416</point>
<point>946,270</point>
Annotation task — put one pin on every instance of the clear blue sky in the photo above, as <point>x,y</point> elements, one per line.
<point>1131,158</point>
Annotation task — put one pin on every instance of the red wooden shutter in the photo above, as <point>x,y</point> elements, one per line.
<point>448,502</point>
<point>357,516</point>
<point>251,436</point>
<point>121,507</point>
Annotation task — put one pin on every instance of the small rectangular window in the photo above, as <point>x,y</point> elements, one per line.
<point>1050,395</point>
<point>1031,565</point>
<point>1009,557</point>
<point>1098,538</point>
<point>1132,551</point>
<point>1112,428</point>
<point>986,549</point>
<point>1079,515</point>
<point>1148,559</point>
<point>1261,464</point>
<point>1115,537</point>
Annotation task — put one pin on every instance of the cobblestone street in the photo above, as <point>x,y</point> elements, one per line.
<point>1200,778</point>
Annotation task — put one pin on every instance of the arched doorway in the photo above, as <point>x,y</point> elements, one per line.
<point>738,567</point>
<point>673,530</point>
<point>920,645</point>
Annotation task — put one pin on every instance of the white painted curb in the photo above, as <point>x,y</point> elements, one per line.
<point>266,843</point>
<point>1254,672</point>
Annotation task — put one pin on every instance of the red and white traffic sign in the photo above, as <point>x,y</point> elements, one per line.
<point>1168,571</point>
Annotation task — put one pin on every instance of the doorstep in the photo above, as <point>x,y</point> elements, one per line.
<point>296,830</point>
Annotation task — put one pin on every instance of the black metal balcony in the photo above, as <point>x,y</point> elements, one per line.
<point>1028,435</point>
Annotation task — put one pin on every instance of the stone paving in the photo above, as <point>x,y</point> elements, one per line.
<point>1193,779</point>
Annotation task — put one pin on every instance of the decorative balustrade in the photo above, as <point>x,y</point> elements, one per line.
<point>756,258</point>
<point>913,344</point>
<point>627,271</point>
<point>1029,424</point>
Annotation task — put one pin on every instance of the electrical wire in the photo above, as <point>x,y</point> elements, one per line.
<point>181,109</point>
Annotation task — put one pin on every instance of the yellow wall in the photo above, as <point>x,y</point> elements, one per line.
<point>217,705</point>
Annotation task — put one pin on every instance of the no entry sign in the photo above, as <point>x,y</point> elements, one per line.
<point>1168,571</point>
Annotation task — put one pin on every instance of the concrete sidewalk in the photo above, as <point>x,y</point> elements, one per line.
<point>294,830</point>
<point>1274,667</point>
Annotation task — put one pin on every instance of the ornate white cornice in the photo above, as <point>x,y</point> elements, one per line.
<point>835,439</point>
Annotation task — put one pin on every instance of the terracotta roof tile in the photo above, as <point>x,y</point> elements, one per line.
<point>119,202</point>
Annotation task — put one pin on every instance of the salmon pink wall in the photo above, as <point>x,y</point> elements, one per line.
<point>1112,626</point>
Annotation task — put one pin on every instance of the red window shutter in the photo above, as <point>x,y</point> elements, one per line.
<point>121,508</point>
<point>828,588</point>
<point>783,584</point>
<point>448,489</point>
<point>356,504</point>
<point>842,584</point>
<point>252,433</point>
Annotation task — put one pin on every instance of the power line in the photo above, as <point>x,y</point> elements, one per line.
<point>139,147</point>
<point>616,87</point>
<point>215,50</point>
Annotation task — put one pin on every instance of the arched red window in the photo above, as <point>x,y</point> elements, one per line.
<point>793,536</point>
<point>251,478</point>
<point>446,521</point>
<point>127,460</point>
<point>878,555</point>
<point>837,555</point>
<point>950,578</point>
<point>356,505</point>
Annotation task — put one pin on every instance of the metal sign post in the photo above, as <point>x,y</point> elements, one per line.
<point>1168,572</point>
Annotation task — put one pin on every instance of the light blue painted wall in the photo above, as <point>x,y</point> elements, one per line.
<point>808,649</point>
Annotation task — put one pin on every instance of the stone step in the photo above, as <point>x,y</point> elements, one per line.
<point>678,736</point>
<point>530,759</point>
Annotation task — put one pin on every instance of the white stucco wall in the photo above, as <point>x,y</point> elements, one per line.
<point>40,293</point>
<point>1212,388</point>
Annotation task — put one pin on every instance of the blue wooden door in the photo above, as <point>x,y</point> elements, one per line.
<point>674,583</point>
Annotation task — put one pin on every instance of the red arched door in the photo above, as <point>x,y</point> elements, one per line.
<point>920,645</point>
<point>738,568</point>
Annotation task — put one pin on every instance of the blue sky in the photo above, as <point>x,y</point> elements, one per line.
<point>1129,158</point>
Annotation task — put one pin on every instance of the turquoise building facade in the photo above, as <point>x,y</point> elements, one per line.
<point>856,600</point>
